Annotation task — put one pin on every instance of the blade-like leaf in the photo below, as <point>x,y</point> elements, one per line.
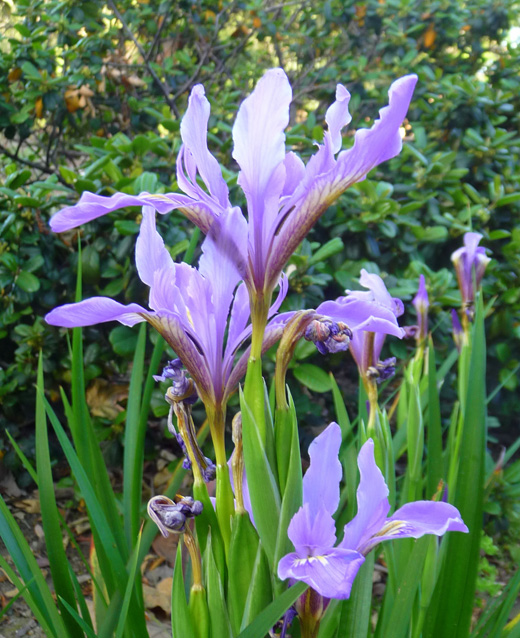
<point>58,562</point>
<point>263,490</point>
<point>37,593</point>
<point>181,620</point>
<point>218,613</point>
<point>242,554</point>
<point>271,614</point>
<point>434,467</point>
<point>453,600</point>
<point>134,445</point>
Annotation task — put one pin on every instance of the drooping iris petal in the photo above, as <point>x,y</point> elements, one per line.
<point>428,517</point>
<point>373,310</point>
<point>95,310</point>
<point>361,315</point>
<point>330,574</point>
<point>92,206</point>
<point>371,526</point>
<point>372,501</point>
<point>321,481</point>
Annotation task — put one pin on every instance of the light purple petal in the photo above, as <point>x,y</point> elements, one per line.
<point>150,252</point>
<point>239,319</point>
<point>294,173</point>
<point>92,206</point>
<point>429,517</point>
<point>95,310</point>
<point>259,149</point>
<point>331,574</point>
<point>421,301</point>
<point>194,128</point>
<point>383,141</point>
<point>414,520</point>
<point>321,481</point>
<point>258,133</point>
<point>337,117</point>
<point>371,147</point>
<point>312,530</point>
<point>372,501</point>
<point>360,315</point>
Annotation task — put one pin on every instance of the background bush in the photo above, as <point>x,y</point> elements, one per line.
<point>91,96</point>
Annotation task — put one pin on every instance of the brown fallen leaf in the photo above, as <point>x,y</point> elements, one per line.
<point>160,595</point>
<point>29,505</point>
<point>104,398</point>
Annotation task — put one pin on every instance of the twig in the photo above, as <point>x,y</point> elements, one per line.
<point>37,167</point>
<point>158,34</point>
<point>157,80</point>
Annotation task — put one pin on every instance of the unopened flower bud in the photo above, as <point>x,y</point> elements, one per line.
<point>421,304</point>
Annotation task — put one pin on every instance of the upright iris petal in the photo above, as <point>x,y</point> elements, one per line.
<point>316,561</point>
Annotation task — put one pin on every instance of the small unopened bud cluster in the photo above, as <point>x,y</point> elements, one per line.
<point>182,388</point>
<point>382,370</point>
<point>170,516</point>
<point>328,335</point>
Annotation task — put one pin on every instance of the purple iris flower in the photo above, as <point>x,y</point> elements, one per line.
<point>331,570</point>
<point>364,312</point>
<point>201,313</point>
<point>284,196</point>
<point>470,261</point>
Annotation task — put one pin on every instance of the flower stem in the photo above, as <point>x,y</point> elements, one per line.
<point>224,495</point>
<point>254,385</point>
<point>196,563</point>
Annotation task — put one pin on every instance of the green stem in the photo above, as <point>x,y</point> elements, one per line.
<point>224,494</point>
<point>254,385</point>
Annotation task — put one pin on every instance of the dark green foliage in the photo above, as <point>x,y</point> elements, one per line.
<point>90,103</point>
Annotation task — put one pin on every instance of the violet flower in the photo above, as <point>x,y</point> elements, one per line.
<point>470,264</point>
<point>366,312</point>
<point>316,561</point>
<point>193,309</point>
<point>284,196</point>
